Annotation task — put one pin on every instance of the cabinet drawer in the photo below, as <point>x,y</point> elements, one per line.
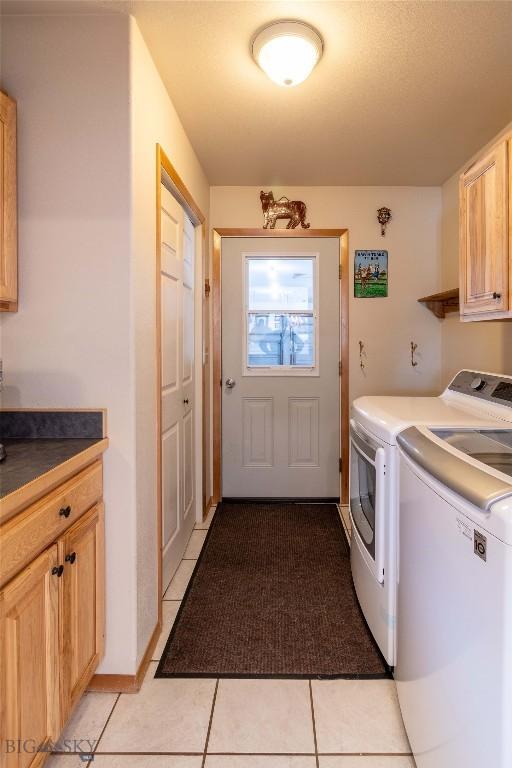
<point>26,535</point>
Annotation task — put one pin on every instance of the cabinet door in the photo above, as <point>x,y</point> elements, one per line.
<point>29,664</point>
<point>8,225</point>
<point>484,267</point>
<point>82,618</point>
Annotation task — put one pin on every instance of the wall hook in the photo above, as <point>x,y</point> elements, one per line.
<point>414,347</point>
<point>362,355</point>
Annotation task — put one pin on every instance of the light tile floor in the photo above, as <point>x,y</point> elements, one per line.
<point>202,723</point>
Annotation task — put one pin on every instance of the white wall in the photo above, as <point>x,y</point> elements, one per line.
<point>386,326</point>
<point>70,343</point>
<point>484,346</point>
<point>91,109</point>
<point>154,120</point>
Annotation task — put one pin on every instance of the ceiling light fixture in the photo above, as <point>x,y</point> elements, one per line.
<point>287,51</point>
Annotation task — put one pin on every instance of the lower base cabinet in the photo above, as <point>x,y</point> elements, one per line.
<point>51,640</point>
<point>29,666</point>
<point>82,625</point>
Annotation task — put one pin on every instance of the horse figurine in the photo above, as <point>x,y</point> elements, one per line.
<point>294,210</point>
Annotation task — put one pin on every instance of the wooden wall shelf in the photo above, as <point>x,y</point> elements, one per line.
<point>442,303</point>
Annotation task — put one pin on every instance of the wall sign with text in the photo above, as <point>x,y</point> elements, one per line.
<point>370,274</point>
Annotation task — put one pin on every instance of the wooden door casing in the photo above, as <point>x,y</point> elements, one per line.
<point>8,209</point>
<point>81,551</point>
<point>219,235</point>
<point>30,714</point>
<point>484,248</point>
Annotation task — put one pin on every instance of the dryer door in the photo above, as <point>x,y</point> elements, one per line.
<point>367,494</point>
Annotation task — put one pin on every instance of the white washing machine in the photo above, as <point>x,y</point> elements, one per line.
<point>374,426</point>
<point>454,640</point>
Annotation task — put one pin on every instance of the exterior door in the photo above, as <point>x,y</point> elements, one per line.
<point>280,366</point>
<point>82,625</point>
<point>177,381</point>
<point>29,663</point>
<point>483,234</point>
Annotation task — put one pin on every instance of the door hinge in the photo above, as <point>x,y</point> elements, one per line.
<point>340,367</point>
<point>340,272</point>
<point>207,288</point>
<point>340,464</point>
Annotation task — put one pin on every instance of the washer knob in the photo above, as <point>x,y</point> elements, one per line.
<point>478,384</point>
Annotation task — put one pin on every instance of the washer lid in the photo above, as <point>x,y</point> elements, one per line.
<point>386,416</point>
<point>467,477</point>
<point>492,447</point>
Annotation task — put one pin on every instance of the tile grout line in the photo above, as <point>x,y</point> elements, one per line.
<point>248,754</point>
<point>105,726</point>
<point>210,723</point>
<point>314,724</point>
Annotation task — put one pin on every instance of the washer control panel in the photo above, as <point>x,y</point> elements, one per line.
<point>484,386</point>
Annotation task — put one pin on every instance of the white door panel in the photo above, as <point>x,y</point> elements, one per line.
<point>188,334</point>
<point>303,431</point>
<point>280,420</point>
<point>171,472</point>
<point>188,464</point>
<point>171,294</point>
<point>258,431</point>
<point>177,381</point>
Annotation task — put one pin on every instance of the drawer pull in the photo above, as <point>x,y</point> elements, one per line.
<point>496,295</point>
<point>71,558</point>
<point>57,570</point>
<point>65,511</point>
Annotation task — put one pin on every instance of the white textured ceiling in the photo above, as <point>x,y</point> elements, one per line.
<point>404,94</point>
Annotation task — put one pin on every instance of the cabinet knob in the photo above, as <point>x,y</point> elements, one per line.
<point>71,558</point>
<point>57,570</point>
<point>185,402</point>
<point>496,295</point>
<point>65,511</point>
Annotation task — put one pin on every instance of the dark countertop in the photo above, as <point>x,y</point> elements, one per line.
<point>30,458</point>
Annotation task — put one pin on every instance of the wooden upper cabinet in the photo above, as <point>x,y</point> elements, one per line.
<point>8,210</point>
<point>484,243</point>
<point>29,663</point>
<point>82,621</point>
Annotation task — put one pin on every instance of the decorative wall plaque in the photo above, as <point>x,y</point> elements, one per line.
<point>383,217</point>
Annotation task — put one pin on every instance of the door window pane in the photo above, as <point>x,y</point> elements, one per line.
<point>280,283</point>
<point>280,310</point>
<point>280,339</point>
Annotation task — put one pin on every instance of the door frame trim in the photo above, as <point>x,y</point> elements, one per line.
<point>183,196</point>
<point>218,235</point>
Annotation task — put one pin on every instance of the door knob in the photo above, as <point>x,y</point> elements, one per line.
<point>230,383</point>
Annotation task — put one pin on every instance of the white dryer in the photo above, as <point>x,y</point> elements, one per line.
<point>375,424</point>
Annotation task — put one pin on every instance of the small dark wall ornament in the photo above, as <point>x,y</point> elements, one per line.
<point>294,210</point>
<point>383,217</point>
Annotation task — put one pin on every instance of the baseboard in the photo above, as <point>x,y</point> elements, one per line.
<point>208,506</point>
<point>126,683</point>
<point>280,500</point>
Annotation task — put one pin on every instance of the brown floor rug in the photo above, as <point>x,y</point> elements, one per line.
<point>272,596</point>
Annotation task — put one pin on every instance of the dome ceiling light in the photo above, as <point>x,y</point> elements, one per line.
<point>287,51</point>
